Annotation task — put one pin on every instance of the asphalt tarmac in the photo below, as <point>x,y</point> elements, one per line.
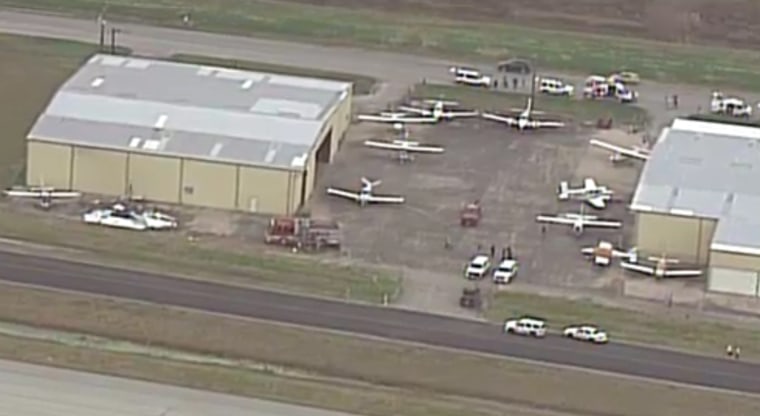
<point>383,322</point>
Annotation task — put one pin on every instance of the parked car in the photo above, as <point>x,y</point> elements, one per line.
<point>478,267</point>
<point>505,272</point>
<point>554,86</point>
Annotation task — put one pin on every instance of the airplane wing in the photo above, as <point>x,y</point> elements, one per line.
<point>637,267</point>
<point>543,124</point>
<point>455,114</point>
<point>619,150</point>
<point>589,251</point>
<point>389,119</point>
<point>682,273</point>
<point>555,220</point>
<point>342,193</point>
<point>511,121</point>
<point>386,199</point>
<point>415,110</point>
<point>589,184</point>
<point>604,224</point>
<point>598,202</point>
<point>40,194</point>
<point>400,147</point>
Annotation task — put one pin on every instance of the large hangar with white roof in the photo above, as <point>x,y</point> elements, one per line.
<point>189,134</point>
<point>698,199</point>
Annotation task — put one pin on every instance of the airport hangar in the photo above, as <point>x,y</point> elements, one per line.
<point>698,199</point>
<point>189,134</point>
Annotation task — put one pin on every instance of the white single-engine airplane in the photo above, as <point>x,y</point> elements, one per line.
<point>45,194</point>
<point>439,110</point>
<point>660,269</point>
<point>621,153</point>
<point>578,221</point>
<point>523,120</point>
<point>604,252</point>
<point>365,195</point>
<point>404,147</point>
<point>593,194</point>
<point>397,118</point>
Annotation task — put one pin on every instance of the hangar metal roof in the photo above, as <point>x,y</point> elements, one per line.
<point>190,110</point>
<point>706,170</point>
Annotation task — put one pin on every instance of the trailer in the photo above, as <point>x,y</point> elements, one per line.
<point>303,233</point>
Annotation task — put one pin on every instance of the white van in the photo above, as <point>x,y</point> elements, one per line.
<point>470,76</point>
<point>554,86</point>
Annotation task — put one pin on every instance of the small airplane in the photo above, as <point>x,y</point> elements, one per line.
<point>593,194</point>
<point>578,221</point>
<point>404,147</point>
<point>439,111</point>
<point>604,252</point>
<point>523,120</point>
<point>397,118</point>
<point>45,194</point>
<point>660,269</point>
<point>621,153</point>
<point>365,195</point>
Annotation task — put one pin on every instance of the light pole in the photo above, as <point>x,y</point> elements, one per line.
<point>114,31</point>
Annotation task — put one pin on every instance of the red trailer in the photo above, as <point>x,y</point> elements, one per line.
<point>471,214</point>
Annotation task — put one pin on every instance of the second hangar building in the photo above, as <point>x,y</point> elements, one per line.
<point>698,199</point>
<point>189,134</point>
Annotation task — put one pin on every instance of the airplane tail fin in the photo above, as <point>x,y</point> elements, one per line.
<point>562,190</point>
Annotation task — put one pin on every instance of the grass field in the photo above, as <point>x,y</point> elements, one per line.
<point>205,258</point>
<point>418,32</point>
<point>423,372</point>
<point>31,70</point>
<point>658,327</point>
<point>363,85</point>
<point>576,109</point>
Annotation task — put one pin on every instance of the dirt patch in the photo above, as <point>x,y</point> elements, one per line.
<point>729,22</point>
<point>426,370</point>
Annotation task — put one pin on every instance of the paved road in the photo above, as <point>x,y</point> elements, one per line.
<point>31,390</point>
<point>377,321</point>
<point>398,70</point>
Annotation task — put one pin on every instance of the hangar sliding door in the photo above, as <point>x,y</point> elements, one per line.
<point>733,281</point>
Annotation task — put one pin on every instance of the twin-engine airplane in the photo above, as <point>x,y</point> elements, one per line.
<point>579,221</point>
<point>365,195</point>
<point>524,119</point>
<point>621,153</point>
<point>436,113</point>
<point>604,252</point>
<point>660,269</point>
<point>404,147</point>
<point>593,194</point>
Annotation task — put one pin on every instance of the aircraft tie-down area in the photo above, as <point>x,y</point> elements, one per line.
<point>434,112</point>
<point>523,119</point>
<point>591,193</point>
<point>366,194</point>
<point>620,153</point>
<point>403,146</point>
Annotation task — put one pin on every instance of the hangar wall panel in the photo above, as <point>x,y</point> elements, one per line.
<point>263,190</point>
<point>209,184</point>
<point>706,232</point>
<point>310,179</point>
<point>48,164</point>
<point>295,183</point>
<point>734,261</point>
<point>100,171</point>
<point>673,235</point>
<point>156,178</point>
<point>733,281</point>
<point>340,121</point>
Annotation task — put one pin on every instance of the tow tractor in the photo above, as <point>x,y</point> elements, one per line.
<point>471,214</point>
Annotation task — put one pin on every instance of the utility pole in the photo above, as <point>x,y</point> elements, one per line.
<point>102,24</point>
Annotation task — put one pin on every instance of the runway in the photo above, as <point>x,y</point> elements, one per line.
<point>31,390</point>
<point>383,322</point>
